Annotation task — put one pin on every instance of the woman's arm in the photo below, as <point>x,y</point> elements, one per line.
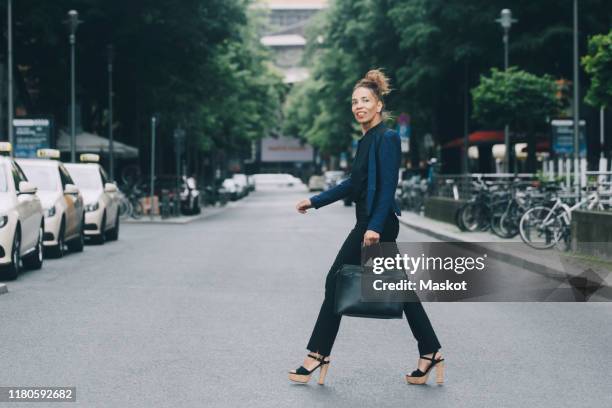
<point>333,194</point>
<point>387,170</point>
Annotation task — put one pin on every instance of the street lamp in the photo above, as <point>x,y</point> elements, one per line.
<point>576,113</point>
<point>505,20</point>
<point>9,12</point>
<point>179,142</point>
<point>72,22</point>
<point>154,123</point>
<point>111,151</point>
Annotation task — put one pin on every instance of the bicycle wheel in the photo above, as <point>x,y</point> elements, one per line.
<point>497,226</point>
<point>508,224</point>
<point>137,209</point>
<point>470,216</point>
<point>511,218</point>
<point>541,227</point>
<point>125,208</point>
<point>458,218</point>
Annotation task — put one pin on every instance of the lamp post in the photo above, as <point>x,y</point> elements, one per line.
<point>111,150</point>
<point>154,121</point>
<point>9,12</point>
<point>576,113</point>
<point>179,141</point>
<point>72,22</point>
<point>505,20</point>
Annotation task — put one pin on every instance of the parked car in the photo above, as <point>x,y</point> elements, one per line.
<point>316,183</point>
<point>242,183</point>
<point>231,188</point>
<point>332,177</point>
<point>276,180</point>
<point>348,201</point>
<point>101,198</point>
<point>251,183</point>
<point>190,196</point>
<point>61,200</point>
<point>22,223</point>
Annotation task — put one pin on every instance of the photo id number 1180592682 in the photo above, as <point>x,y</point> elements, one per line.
<point>37,394</point>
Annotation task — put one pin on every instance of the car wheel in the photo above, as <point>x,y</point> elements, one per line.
<point>113,234</point>
<point>57,251</point>
<point>101,237</point>
<point>35,259</point>
<point>11,271</point>
<point>77,244</point>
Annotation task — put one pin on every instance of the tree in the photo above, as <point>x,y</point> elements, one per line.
<point>434,51</point>
<point>523,100</point>
<point>198,63</point>
<point>598,65</point>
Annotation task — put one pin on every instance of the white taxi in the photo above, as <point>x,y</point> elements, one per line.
<point>101,198</point>
<point>61,200</point>
<point>21,219</point>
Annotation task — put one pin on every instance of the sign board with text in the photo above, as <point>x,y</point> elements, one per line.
<point>563,137</point>
<point>32,134</point>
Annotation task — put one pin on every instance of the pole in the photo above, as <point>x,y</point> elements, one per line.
<point>601,131</point>
<point>2,99</point>
<point>153,125</point>
<point>11,111</point>
<point>177,199</point>
<point>507,155</point>
<point>110,113</point>
<point>576,107</point>
<point>72,101</point>
<point>466,136</point>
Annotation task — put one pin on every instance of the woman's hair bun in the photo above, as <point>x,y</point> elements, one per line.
<point>380,79</point>
<point>376,81</point>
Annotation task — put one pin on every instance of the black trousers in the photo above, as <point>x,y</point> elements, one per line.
<point>328,323</point>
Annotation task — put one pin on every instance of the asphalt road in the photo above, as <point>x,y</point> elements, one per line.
<point>214,314</point>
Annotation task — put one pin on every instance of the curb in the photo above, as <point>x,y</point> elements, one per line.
<point>3,289</point>
<point>535,267</point>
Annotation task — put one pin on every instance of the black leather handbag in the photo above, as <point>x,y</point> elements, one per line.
<point>350,284</point>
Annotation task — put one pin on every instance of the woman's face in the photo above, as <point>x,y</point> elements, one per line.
<point>365,105</point>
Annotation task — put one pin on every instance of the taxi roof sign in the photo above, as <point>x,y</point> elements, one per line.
<point>48,154</point>
<point>89,158</point>
<point>5,148</point>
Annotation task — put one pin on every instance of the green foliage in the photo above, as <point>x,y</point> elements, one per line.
<point>434,51</point>
<point>514,97</point>
<point>598,65</point>
<point>198,63</point>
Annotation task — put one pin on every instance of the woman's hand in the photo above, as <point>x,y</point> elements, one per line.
<point>371,238</point>
<point>303,205</point>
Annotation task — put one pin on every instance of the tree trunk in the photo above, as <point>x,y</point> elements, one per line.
<point>531,151</point>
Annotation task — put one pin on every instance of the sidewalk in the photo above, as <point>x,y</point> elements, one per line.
<point>548,262</point>
<point>183,219</point>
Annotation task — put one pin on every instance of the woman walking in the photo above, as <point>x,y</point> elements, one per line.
<point>371,186</point>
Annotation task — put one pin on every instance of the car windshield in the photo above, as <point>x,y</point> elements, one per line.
<point>45,178</point>
<point>86,178</point>
<point>3,185</point>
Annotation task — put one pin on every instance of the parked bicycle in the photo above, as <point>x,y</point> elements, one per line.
<point>543,227</point>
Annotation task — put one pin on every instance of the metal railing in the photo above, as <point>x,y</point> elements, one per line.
<point>460,186</point>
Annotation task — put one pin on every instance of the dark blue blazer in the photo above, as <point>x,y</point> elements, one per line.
<point>383,171</point>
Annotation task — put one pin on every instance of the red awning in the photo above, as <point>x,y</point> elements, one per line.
<point>479,137</point>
